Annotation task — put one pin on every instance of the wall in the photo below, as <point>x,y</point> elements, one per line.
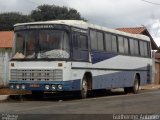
<point>4,67</point>
<point>157,73</point>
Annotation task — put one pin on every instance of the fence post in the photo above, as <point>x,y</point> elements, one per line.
<point>153,67</point>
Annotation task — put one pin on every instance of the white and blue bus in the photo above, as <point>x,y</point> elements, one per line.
<point>70,55</point>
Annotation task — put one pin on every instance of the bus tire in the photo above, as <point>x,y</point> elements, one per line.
<point>84,88</point>
<point>135,88</point>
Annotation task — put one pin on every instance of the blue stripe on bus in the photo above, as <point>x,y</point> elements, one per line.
<point>101,56</point>
<point>71,85</point>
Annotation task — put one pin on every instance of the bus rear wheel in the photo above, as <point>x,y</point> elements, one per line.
<point>135,88</point>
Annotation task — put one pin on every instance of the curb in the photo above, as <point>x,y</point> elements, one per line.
<point>150,87</point>
<point>4,97</point>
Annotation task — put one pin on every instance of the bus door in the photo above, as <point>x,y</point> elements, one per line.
<point>80,46</point>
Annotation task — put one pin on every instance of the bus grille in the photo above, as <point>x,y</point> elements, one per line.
<point>37,75</point>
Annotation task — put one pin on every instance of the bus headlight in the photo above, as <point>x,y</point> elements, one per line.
<point>53,87</point>
<point>17,86</point>
<point>23,87</point>
<point>47,87</point>
<point>60,87</point>
<point>11,86</point>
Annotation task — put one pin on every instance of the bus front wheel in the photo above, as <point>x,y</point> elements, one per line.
<point>84,88</point>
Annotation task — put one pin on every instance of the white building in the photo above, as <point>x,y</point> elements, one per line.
<point>6,41</point>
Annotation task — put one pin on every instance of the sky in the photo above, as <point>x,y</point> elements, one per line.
<point>108,13</point>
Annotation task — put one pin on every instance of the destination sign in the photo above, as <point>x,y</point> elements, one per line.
<point>45,26</point>
<point>79,30</point>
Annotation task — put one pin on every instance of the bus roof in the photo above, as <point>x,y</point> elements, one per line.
<point>85,25</point>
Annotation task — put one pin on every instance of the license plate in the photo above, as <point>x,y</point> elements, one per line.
<point>34,85</point>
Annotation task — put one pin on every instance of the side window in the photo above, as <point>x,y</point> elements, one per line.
<point>142,53</point>
<point>75,41</point>
<point>145,49</point>
<point>114,43</point>
<point>20,46</point>
<point>66,45</point>
<point>93,37</point>
<point>97,40</point>
<point>136,47</point>
<point>126,48</point>
<point>108,42</point>
<point>83,42</point>
<point>149,49</point>
<point>80,46</point>
<point>100,41</point>
<point>120,44</point>
<point>131,44</point>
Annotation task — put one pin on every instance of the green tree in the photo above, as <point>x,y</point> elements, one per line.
<point>53,12</point>
<point>42,13</point>
<point>7,20</point>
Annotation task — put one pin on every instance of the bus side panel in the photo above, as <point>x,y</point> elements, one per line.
<point>113,80</point>
<point>143,78</point>
<point>118,79</point>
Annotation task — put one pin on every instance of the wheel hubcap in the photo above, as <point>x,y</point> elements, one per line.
<point>84,87</point>
<point>136,86</point>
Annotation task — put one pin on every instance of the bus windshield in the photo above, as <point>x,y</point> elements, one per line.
<point>40,44</point>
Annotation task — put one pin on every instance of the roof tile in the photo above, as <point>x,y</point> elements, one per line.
<point>136,30</point>
<point>6,39</point>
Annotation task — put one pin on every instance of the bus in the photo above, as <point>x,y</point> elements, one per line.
<point>73,55</point>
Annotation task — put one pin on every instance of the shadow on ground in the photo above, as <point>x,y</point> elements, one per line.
<point>62,96</point>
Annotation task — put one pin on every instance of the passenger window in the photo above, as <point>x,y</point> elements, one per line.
<point>131,43</point>
<point>83,42</point>
<point>80,46</point>
<point>75,41</point>
<point>100,41</point>
<point>126,48</point>
<point>108,42</point>
<point>145,49</point>
<point>120,44</point>
<point>136,47</point>
<point>114,43</point>
<point>142,52</point>
<point>93,37</point>
<point>149,51</point>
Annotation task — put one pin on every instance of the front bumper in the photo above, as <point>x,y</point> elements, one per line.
<point>71,85</point>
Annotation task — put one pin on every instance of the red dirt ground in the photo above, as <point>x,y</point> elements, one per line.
<point>6,91</point>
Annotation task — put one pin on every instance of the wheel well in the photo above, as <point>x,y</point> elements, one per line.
<point>88,77</point>
<point>138,77</point>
